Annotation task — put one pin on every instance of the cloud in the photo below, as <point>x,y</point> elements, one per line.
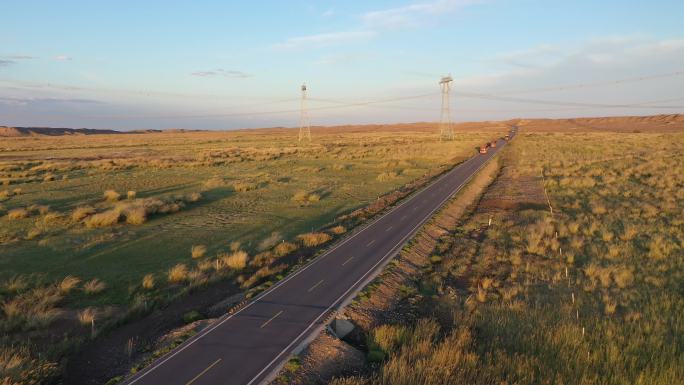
<point>12,59</point>
<point>42,102</point>
<point>412,15</point>
<point>222,72</point>
<point>62,58</point>
<point>372,22</point>
<point>19,57</point>
<point>591,61</point>
<point>325,39</point>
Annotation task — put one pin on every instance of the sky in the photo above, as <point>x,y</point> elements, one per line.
<point>240,64</point>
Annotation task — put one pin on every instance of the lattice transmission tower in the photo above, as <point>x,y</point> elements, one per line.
<point>445,129</point>
<point>304,124</point>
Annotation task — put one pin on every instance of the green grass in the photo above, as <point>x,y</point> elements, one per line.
<point>222,215</point>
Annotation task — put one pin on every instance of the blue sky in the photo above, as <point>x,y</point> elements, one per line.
<point>223,65</point>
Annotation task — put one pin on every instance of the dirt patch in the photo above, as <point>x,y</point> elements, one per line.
<point>327,357</point>
<point>511,191</point>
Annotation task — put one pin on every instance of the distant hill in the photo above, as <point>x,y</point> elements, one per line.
<point>652,123</point>
<point>51,131</point>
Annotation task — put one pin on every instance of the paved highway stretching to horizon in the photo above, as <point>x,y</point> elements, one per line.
<point>248,346</point>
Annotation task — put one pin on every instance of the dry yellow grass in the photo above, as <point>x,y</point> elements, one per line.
<point>111,195</point>
<point>18,213</point>
<point>82,212</point>
<point>178,273</point>
<point>148,282</point>
<point>236,260</point>
<point>94,286</point>
<point>314,239</point>
<point>87,316</point>
<point>198,251</point>
<point>68,284</point>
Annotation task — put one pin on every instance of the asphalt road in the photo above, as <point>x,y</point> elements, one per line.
<point>247,346</point>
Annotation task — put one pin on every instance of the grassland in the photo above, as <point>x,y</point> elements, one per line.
<point>95,228</point>
<point>577,281</point>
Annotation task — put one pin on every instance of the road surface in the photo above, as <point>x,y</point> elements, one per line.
<point>246,347</point>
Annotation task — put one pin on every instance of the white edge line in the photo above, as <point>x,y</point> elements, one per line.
<point>200,335</point>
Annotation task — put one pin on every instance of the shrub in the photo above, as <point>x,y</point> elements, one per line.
<point>178,273</point>
<point>435,259</point>
<point>198,251</point>
<point>68,283</point>
<point>338,230</point>
<point>148,282</point>
<point>86,316</point>
<point>104,219</point>
<point>192,316</point>
<point>623,277</point>
<point>82,212</point>
<point>131,195</point>
<point>314,239</point>
<point>244,186</point>
<point>135,215</point>
<point>18,213</point>
<point>284,248</point>
<point>387,338</point>
<point>300,196</point>
<point>235,261</point>
<point>16,283</point>
<point>314,198</point>
<point>94,286</point>
<point>375,356</point>
<point>193,197</point>
<point>111,195</point>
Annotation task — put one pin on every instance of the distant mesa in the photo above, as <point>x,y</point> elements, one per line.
<point>629,124</point>
<point>50,131</point>
<point>6,131</point>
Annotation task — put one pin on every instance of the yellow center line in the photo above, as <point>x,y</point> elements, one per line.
<point>314,286</point>
<point>272,318</point>
<point>202,373</point>
<point>370,243</point>
<point>347,261</point>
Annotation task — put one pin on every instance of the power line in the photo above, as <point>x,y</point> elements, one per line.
<point>594,84</point>
<point>558,103</point>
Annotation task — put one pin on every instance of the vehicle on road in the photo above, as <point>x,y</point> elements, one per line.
<point>493,144</point>
<point>483,149</point>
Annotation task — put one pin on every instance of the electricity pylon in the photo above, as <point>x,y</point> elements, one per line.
<point>445,129</point>
<point>304,125</point>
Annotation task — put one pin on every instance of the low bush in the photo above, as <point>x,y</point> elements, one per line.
<point>148,282</point>
<point>18,213</point>
<point>192,316</point>
<point>94,286</point>
<point>198,251</point>
<point>178,273</point>
<point>314,239</point>
<point>235,261</point>
<point>111,195</point>
<point>82,212</point>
